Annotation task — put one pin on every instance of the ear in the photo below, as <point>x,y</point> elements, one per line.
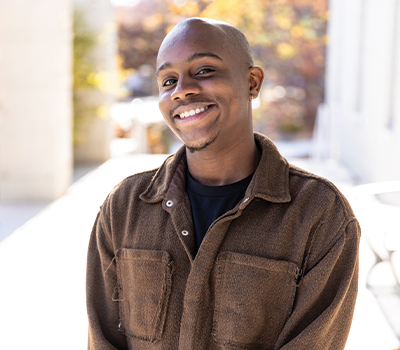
<point>255,81</point>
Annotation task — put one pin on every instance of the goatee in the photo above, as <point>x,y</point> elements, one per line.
<point>200,148</point>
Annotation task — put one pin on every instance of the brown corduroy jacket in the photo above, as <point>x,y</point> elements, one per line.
<point>279,271</point>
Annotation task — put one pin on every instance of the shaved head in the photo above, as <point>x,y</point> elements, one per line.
<point>232,37</point>
<point>207,80</point>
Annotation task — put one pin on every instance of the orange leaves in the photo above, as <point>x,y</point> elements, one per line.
<point>283,22</point>
<point>240,13</point>
<point>285,50</point>
<point>153,22</point>
<point>297,31</point>
<point>288,39</point>
<point>184,7</point>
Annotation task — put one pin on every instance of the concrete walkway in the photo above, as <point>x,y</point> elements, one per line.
<point>42,266</point>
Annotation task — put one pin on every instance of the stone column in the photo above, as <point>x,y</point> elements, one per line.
<point>35,99</point>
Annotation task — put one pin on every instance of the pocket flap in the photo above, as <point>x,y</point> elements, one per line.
<point>145,280</point>
<point>259,262</point>
<point>253,299</point>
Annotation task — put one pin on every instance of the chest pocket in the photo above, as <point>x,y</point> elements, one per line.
<point>144,280</point>
<point>253,299</point>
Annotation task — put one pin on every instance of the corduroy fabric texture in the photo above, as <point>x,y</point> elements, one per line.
<point>278,271</point>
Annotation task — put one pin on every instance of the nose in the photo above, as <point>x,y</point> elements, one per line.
<point>185,87</point>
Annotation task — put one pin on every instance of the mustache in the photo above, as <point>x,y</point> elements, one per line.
<point>188,102</point>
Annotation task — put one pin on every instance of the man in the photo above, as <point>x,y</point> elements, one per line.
<point>226,245</point>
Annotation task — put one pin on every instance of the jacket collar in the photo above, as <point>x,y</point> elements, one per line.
<point>270,181</point>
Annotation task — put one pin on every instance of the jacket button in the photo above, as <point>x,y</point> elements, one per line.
<point>185,233</point>
<point>169,204</point>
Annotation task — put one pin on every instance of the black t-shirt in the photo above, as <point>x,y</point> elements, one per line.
<point>210,202</point>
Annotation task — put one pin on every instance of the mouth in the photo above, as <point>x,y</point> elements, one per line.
<point>187,112</point>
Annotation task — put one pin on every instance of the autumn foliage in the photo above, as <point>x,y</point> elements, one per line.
<point>288,39</point>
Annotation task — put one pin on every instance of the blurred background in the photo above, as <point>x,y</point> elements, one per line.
<point>79,112</point>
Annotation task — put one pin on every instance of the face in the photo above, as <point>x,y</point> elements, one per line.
<point>204,90</point>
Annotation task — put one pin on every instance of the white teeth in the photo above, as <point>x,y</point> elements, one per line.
<point>192,112</point>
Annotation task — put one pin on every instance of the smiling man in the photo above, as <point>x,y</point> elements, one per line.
<point>226,245</point>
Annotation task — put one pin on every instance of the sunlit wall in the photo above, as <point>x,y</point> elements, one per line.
<point>35,99</point>
<point>360,122</point>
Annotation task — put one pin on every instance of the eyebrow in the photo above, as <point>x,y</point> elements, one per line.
<point>194,57</point>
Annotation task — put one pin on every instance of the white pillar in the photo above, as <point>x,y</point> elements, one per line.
<point>363,86</point>
<point>35,99</point>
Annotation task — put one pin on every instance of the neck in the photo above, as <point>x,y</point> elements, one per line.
<point>217,167</point>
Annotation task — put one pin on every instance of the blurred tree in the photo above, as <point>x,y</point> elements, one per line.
<point>90,84</point>
<point>84,43</point>
<point>288,39</point>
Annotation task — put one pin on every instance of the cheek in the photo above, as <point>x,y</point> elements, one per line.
<point>164,106</point>
<point>234,98</point>
<point>236,89</point>
<point>236,101</point>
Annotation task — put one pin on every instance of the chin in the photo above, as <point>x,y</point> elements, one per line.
<point>201,145</point>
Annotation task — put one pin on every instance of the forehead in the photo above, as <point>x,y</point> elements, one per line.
<point>184,41</point>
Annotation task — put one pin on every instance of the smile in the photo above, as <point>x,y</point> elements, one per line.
<point>192,112</point>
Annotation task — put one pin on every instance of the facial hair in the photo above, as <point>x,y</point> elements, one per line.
<point>200,148</point>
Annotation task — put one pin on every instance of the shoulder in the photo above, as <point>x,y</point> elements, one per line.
<point>323,205</point>
<point>116,211</point>
<point>134,183</point>
<point>128,190</point>
<point>319,195</point>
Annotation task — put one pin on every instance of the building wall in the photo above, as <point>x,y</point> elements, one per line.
<point>35,99</point>
<point>360,121</point>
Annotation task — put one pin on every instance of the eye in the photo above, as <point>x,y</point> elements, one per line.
<point>169,82</point>
<point>205,71</point>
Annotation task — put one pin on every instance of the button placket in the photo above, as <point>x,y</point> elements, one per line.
<point>181,215</point>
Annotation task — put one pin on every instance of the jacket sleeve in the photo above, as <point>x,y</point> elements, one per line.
<point>101,281</point>
<point>326,295</point>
